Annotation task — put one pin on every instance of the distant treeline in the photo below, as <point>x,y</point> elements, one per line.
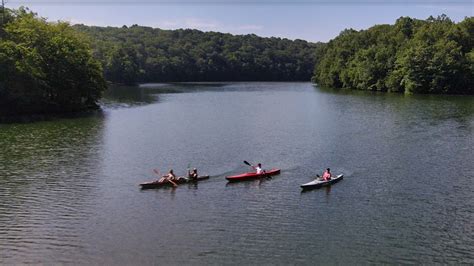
<point>143,54</point>
<point>54,67</point>
<point>45,67</point>
<point>413,56</point>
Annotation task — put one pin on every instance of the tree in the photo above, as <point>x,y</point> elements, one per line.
<point>412,56</point>
<point>123,65</point>
<point>46,67</point>
<point>191,55</point>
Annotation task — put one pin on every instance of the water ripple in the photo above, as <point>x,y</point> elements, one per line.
<point>69,189</point>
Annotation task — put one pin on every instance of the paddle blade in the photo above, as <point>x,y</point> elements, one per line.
<point>156,171</point>
<point>247,163</point>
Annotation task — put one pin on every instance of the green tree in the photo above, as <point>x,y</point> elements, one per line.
<point>433,62</point>
<point>412,56</point>
<point>123,65</point>
<point>46,67</point>
<point>191,55</point>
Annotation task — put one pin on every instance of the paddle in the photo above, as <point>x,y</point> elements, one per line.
<point>158,173</point>
<point>189,170</point>
<point>249,164</point>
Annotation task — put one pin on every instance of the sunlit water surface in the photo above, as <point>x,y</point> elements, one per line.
<point>69,188</point>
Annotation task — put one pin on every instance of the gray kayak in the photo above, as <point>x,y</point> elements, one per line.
<point>318,183</point>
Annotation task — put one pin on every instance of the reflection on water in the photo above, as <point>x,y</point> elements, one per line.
<point>69,188</point>
<point>48,178</point>
<point>119,96</point>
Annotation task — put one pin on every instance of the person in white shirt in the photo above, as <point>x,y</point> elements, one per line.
<point>259,169</point>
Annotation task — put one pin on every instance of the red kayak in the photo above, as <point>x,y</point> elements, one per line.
<point>252,175</point>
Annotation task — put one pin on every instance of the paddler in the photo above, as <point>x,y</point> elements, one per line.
<point>168,177</point>
<point>193,175</point>
<point>259,169</point>
<point>327,175</point>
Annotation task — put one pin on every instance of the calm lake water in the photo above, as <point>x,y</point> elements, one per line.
<point>69,188</point>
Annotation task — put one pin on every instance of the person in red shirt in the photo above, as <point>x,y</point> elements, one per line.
<point>327,175</point>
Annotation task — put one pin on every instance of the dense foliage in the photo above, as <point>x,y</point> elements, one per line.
<point>143,54</point>
<point>413,56</point>
<point>45,67</point>
<point>53,67</point>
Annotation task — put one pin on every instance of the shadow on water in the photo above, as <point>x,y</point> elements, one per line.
<point>460,105</point>
<point>119,96</point>
<point>326,189</point>
<point>407,110</point>
<point>247,183</point>
<point>251,182</point>
<point>31,118</point>
<point>177,87</point>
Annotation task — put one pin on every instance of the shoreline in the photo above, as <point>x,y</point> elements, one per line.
<point>38,117</point>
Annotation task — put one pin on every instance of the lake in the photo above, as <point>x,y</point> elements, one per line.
<point>69,187</point>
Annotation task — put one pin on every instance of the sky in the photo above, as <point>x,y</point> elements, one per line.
<point>311,20</point>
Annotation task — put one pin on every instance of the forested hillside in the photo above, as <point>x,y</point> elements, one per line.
<point>413,56</point>
<point>54,67</point>
<point>45,67</point>
<point>143,54</point>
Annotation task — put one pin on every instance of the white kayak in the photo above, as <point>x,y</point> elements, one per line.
<point>319,182</point>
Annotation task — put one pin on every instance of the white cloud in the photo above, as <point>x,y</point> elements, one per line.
<point>207,25</point>
<point>249,27</point>
<point>194,23</point>
<point>188,23</point>
<point>74,21</point>
<point>449,9</point>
